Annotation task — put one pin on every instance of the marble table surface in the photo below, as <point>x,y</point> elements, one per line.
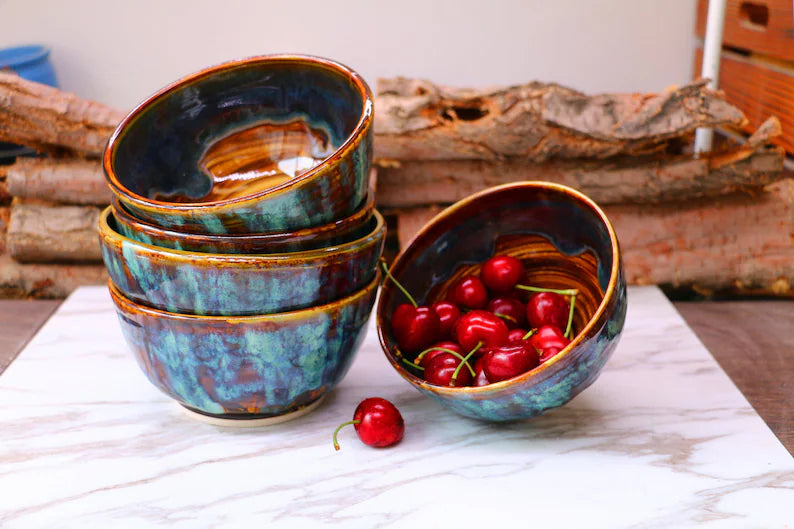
<point>662,439</point>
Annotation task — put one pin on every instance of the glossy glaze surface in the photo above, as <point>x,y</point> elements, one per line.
<point>177,160</point>
<point>339,232</point>
<point>565,241</point>
<point>238,284</point>
<point>247,367</point>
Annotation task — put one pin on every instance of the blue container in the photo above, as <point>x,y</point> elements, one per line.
<point>29,62</point>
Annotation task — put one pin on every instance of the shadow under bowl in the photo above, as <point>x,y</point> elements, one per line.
<point>238,284</point>
<point>257,145</point>
<point>335,233</point>
<point>247,367</point>
<point>565,241</point>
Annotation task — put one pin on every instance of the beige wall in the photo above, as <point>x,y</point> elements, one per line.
<point>119,52</point>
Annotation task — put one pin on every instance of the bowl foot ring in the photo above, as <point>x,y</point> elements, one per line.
<point>240,421</point>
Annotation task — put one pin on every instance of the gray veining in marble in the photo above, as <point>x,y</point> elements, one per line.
<point>662,440</point>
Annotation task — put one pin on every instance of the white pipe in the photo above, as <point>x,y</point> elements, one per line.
<point>712,46</point>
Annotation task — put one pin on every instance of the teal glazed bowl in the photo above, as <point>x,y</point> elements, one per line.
<point>238,284</point>
<point>335,233</point>
<point>565,241</point>
<point>258,145</point>
<point>247,367</point>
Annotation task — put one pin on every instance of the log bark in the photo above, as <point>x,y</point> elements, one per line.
<point>41,116</point>
<point>417,120</point>
<point>649,179</point>
<point>46,280</point>
<point>52,233</point>
<point>69,180</point>
<point>5,214</point>
<point>739,243</point>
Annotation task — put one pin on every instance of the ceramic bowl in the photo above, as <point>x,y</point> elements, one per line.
<point>238,284</point>
<point>335,233</point>
<point>247,367</point>
<point>302,124</point>
<point>565,241</point>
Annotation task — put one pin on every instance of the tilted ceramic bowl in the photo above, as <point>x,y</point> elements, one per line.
<point>184,158</point>
<point>238,284</point>
<point>565,241</point>
<point>247,367</point>
<point>335,233</point>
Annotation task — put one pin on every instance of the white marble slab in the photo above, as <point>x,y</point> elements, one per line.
<point>662,439</point>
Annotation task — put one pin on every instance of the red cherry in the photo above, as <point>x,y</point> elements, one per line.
<point>547,308</point>
<point>501,273</point>
<point>378,423</point>
<point>469,292</point>
<point>437,349</point>
<point>414,328</point>
<point>549,340</point>
<point>481,379</point>
<point>448,313</point>
<point>511,310</point>
<point>480,326</point>
<point>508,361</point>
<point>548,353</point>
<point>440,369</point>
<point>516,335</point>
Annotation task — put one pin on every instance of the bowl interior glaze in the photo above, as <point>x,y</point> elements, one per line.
<point>565,241</point>
<point>224,123</point>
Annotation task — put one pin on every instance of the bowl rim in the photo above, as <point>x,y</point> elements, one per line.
<point>362,215</point>
<point>125,304</point>
<point>109,154</point>
<point>210,259</point>
<point>544,367</point>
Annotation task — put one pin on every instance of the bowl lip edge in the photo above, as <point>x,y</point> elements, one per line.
<point>185,208</point>
<point>126,305</point>
<point>207,258</point>
<point>542,369</point>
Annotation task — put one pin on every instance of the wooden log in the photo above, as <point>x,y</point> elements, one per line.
<point>41,116</point>
<point>648,179</point>
<point>417,120</point>
<point>53,233</point>
<point>5,214</point>
<point>69,180</point>
<point>46,280</point>
<point>738,243</point>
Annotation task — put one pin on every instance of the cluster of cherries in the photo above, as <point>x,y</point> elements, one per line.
<point>483,332</point>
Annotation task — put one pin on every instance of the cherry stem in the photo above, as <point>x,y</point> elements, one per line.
<point>564,292</point>
<point>406,361</point>
<point>450,351</point>
<point>570,318</point>
<point>397,284</point>
<point>465,361</point>
<point>530,333</point>
<point>505,317</point>
<point>336,443</point>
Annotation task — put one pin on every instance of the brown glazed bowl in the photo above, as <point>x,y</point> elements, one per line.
<point>304,124</point>
<point>238,284</point>
<point>247,367</point>
<point>335,233</point>
<point>565,241</point>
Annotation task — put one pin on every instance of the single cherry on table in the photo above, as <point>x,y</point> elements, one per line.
<point>378,423</point>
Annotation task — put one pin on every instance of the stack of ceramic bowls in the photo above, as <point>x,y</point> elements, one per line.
<point>242,243</point>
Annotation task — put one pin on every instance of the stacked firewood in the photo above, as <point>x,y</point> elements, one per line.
<point>715,222</point>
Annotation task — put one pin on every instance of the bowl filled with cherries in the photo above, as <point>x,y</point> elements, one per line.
<point>506,304</point>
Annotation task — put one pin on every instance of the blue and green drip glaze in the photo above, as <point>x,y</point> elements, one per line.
<point>247,367</point>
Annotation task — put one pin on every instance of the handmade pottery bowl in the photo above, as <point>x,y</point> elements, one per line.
<point>258,145</point>
<point>335,233</point>
<point>565,241</point>
<point>238,284</point>
<point>247,367</point>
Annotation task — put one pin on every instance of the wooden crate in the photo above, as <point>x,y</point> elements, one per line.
<point>757,64</point>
